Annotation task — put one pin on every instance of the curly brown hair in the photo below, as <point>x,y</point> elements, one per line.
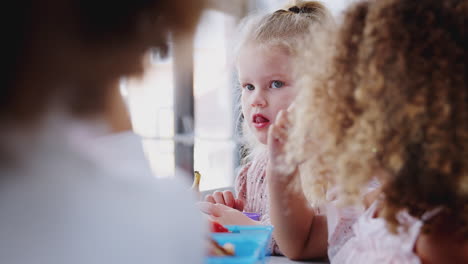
<point>390,101</point>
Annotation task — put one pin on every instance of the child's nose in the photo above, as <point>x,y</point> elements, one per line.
<point>259,100</point>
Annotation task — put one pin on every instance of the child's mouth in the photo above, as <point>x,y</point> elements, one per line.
<point>260,121</point>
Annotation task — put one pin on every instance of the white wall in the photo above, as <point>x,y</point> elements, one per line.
<point>335,6</point>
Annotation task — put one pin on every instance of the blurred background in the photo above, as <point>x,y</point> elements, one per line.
<point>195,129</point>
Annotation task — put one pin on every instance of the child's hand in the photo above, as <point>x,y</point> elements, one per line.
<point>225,215</point>
<point>277,137</point>
<point>225,198</point>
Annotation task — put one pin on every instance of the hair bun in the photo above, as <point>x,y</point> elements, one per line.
<point>304,9</point>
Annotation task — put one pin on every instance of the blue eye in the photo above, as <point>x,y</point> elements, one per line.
<point>249,87</point>
<point>277,84</point>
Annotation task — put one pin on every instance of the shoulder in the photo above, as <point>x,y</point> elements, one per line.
<point>159,214</point>
<point>444,245</point>
<point>92,210</point>
<point>441,249</point>
<point>101,216</point>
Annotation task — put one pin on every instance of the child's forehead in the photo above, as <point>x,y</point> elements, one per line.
<point>265,48</point>
<point>263,64</point>
<point>258,54</point>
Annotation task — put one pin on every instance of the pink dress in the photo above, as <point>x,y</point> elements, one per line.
<point>340,220</point>
<point>251,186</point>
<point>372,242</point>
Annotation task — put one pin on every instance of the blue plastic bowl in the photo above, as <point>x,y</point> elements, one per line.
<point>261,233</point>
<point>250,243</point>
<point>247,250</point>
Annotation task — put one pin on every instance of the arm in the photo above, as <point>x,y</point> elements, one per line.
<point>273,246</point>
<point>299,232</point>
<point>444,244</point>
<point>225,215</point>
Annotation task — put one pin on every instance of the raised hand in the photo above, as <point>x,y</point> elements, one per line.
<point>277,138</point>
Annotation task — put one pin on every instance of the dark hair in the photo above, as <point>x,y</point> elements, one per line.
<point>85,44</point>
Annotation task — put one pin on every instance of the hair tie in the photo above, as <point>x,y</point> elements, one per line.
<point>304,10</point>
<point>295,9</point>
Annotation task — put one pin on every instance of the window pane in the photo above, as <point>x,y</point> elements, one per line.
<point>150,101</point>
<point>214,122</point>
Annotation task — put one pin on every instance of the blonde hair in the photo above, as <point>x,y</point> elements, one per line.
<point>390,98</point>
<point>286,28</point>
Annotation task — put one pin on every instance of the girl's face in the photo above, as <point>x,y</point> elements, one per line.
<point>265,75</point>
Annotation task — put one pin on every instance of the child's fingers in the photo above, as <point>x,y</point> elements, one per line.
<point>210,208</point>
<point>291,106</point>
<point>214,219</point>
<point>205,207</point>
<point>272,136</point>
<point>220,220</point>
<point>218,196</point>
<point>279,117</point>
<point>239,205</point>
<point>276,134</point>
<point>274,142</point>
<point>229,199</point>
<point>282,119</point>
<point>209,198</point>
<point>281,134</point>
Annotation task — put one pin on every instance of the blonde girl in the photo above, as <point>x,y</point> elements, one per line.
<point>265,65</point>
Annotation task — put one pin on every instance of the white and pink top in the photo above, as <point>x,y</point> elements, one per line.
<point>372,242</point>
<point>251,186</point>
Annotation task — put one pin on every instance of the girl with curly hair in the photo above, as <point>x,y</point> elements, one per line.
<point>390,101</point>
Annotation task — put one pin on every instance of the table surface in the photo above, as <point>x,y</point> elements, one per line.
<point>284,260</point>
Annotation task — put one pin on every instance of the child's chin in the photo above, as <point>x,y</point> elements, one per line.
<point>262,138</point>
